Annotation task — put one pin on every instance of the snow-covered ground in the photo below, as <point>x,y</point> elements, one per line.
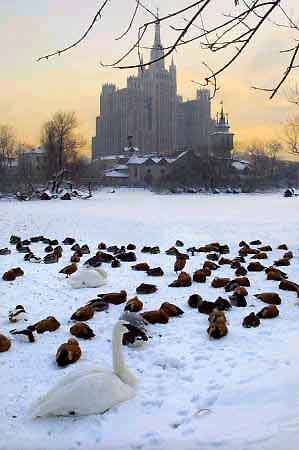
<point>248,380</point>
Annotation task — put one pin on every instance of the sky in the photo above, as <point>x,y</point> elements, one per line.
<point>30,92</point>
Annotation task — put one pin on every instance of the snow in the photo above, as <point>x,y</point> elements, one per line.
<point>247,381</point>
<point>116,174</point>
<point>240,165</point>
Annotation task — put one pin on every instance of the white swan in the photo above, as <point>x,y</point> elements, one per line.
<point>93,390</point>
<point>88,278</point>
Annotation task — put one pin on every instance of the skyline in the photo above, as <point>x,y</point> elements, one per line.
<point>31,92</point>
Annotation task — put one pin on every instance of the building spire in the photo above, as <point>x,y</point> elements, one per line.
<point>157,50</point>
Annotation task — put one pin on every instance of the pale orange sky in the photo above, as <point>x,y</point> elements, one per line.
<point>31,92</point>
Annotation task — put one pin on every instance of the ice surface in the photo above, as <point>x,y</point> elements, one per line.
<point>249,380</point>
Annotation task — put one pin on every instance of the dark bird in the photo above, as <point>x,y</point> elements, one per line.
<point>269,312</point>
<point>49,324</point>
<point>155,316</point>
<point>282,247</point>
<point>51,258</point>
<point>183,280</point>
<point>171,310</point>
<point>251,321</point>
<point>199,276</point>
<point>18,313</point>
<point>83,314</point>
<point>220,282</point>
<point>194,300</point>
<point>238,300</point>
<point>68,353</point>
<point>134,305</point>
<point>141,267</point>
<point>94,261</point>
<point>205,307</point>
<point>98,305</point>
<point>287,285</point>
<point>282,262</point>
<point>69,270</point>
<point>82,330</point>
<point>115,264</point>
<point>146,288</point>
<point>85,249</point>
<point>269,297</point>
<point>68,241</point>
<point>5,251</point>
<point>222,304</point>
<point>27,333</point>
<point>155,272</point>
<point>255,266</point>
<point>217,328</point>
<point>5,343</point>
<point>116,298</point>
<point>179,264</point>
<point>131,247</point>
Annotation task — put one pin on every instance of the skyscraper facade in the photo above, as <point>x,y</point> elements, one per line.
<point>150,111</point>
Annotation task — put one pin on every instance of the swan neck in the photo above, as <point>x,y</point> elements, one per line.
<point>119,366</point>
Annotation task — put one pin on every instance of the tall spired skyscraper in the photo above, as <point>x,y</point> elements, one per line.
<point>150,110</point>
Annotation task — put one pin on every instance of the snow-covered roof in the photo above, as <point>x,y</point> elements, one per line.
<point>121,167</point>
<point>137,160</point>
<point>240,165</point>
<point>34,151</point>
<point>110,157</point>
<point>115,174</point>
<point>128,149</point>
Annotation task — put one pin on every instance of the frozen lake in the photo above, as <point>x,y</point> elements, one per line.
<point>248,380</point>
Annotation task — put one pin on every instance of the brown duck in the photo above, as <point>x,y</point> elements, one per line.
<point>287,285</point>
<point>115,298</point>
<point>69,270</point>
<point>145,288</point>
<point>141,267</point>
<point>134,305</point>
<point>199,276</point>
<point>271,298</point>
<point>82,330</point>
<point>217,328</point>
<point>251,321</point>
<point>205,307</point>
<point>171,310</point>
<point>183,280</point>
<point>255,266</point>
<point>269,312</point>
<point>68,353</point>
<point>155,316</point>
<point>220,282</point>
<point>49,324</point>
<point>194,300</point>
<point>84,313</point>
<point>5,343</point>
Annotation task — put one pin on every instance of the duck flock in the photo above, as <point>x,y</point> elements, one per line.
<point>252,257</point>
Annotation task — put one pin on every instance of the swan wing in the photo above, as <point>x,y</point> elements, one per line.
<point>92,393</point>
<point>87,278</point>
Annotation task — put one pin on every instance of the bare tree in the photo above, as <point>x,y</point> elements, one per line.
<point>273,149</point>
<point>291,135</point>
<point>233,33</point>
<point>61,141</point>
<point>7,146</point>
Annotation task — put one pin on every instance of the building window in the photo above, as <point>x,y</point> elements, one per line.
<point>135,172</point>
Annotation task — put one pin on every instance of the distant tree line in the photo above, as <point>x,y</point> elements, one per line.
<point>269,165</point>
